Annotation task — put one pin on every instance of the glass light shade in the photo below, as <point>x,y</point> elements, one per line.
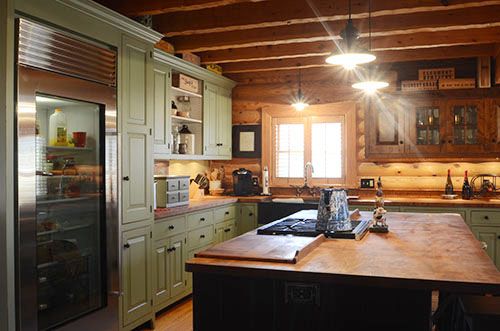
<point>350,60</point>
<point>300,105</point>
<point>370,86</point>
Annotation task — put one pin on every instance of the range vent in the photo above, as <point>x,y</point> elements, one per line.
<point>44,48</point>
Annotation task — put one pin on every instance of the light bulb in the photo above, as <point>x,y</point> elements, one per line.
<point>300,105</point>
<point>350,60</point>
<point>370,86</point>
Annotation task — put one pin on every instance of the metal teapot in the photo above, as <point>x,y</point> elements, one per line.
<point>333,211</point>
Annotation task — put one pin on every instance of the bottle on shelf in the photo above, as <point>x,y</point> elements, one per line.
<point>448,189</point>
<point>58,129</point>
<point>467,192</point>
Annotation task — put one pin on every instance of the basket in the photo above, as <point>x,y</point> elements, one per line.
<point>437,73</point>
<point>419,85</point>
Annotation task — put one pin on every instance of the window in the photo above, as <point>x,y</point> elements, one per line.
<point>325,138</point>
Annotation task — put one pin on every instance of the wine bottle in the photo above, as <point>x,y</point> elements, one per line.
<point>448,189</point>
<point>466,188</point>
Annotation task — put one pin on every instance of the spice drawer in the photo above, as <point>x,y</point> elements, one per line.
<point>200,237</point>
<point>225,213</point>
<point>200,219</point>
<point>484,217</point>
<point>170,227</point>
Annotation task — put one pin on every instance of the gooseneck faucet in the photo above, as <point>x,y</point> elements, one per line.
<point>311,189</point>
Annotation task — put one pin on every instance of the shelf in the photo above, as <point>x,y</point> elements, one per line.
<point>184,92</point>
<point>63,200</point>
<point>181,119</point>
<point>69,149</point>
<point>66,229</point>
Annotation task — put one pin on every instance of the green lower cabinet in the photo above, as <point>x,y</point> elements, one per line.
<point>169,278</point>
<point>490,236</point>
<point>136,274</point>
<point>247,219</point>
<point>436,210</point>
<point>225,231</point>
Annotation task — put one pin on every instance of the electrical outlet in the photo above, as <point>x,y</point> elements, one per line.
<point>367,182</point>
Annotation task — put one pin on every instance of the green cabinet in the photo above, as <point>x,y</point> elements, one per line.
<point>225,231</point>
<point>169,278</point>
<point>161,105</point>
<point>217,119</point>
<point>247,219</point>
<point>136,274</point>
<point>490,237</point>
<point>136,126</point>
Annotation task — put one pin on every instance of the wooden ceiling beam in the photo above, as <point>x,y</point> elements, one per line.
<point>156,7</point>
<point>437,53</point>
<point>434,21</point>
<point>323,48</point>
<point>248,15</point>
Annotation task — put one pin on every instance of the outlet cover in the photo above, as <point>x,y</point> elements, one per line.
<point>367,183</point>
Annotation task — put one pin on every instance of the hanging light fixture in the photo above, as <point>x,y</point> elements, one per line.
<point>351,53</point>
<point>370,85</point>
<point>300,104</point>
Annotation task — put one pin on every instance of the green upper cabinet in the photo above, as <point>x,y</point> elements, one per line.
<point>136,274</point>
<point>217,117</point>
<point>136,126</point>
<point>161,100</point>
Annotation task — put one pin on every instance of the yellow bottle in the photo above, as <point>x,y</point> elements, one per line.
<point>58,129</point>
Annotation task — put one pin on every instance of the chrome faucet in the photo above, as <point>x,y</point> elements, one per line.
<point>311,189</point>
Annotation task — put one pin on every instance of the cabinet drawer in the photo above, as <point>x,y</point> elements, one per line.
<point>484,217</point>
<point>225,213</point>
<point>184,184</point>
<point>200,219</point>
<point>183,196</point>
<point>172,197</point>
<point>172,184</point>
<point>170,227</point>
<point>200,237</point>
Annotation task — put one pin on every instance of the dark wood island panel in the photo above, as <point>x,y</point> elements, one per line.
<point>384,280</point>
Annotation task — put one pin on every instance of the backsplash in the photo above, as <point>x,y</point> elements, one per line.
<point>181,168</point>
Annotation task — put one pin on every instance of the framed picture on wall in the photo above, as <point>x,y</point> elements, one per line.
<point>247,141</point>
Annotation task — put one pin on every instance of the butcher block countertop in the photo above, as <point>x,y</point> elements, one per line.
<point>427,251</point>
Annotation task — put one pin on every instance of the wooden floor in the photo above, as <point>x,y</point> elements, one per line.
<point>176,318</point>
<point>179,317</point>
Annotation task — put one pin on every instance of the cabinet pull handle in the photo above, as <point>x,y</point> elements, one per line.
<point>486,217</point>
<point>126,245</point>
<point>169,250</point>
<point>171,227</point>
<point>401,142</point>
<point>227,230</point>
<point>202,236</point>
<point>227,213</point>
<point>126,178</point>
<point>173,249</point>
<point>202,219</point>
<point>251,214</point>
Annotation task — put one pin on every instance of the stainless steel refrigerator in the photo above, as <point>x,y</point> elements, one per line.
<point>66,188</point>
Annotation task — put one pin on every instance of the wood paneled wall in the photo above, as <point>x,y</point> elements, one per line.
<point>251,97</point>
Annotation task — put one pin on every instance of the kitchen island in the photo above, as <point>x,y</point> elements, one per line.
<point>383,281</point>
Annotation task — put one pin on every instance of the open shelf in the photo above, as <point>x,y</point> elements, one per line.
<point>65,229</point>
<point>184,92</point>
<point>180,119</point>
<point>68,148</point>
<point>63,200</point>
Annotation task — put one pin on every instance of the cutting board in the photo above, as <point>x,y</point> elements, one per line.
<point>267,248</point>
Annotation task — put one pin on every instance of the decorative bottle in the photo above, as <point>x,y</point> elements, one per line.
<point>466,188</point>
<point>448,189</point>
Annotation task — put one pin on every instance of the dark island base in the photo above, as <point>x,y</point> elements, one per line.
<point>235,303</point>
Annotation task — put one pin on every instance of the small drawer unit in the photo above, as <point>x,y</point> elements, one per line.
<point>225,213</point>
<point>200,237</point>
<point>203,218</point>
<point>485,217</point>
<point>169,226</point>
<point>171,191</point>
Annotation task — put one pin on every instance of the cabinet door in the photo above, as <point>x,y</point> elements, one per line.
<point>224,127</point>
<point>230,230</point>
<point>161,100</point>
<point>136,273</point>
<point>385,128</point>
<point>466,129</point>
<point>219,232</point>
<point>426,129</point>
<point>491,237</point>
<point>210,120</point>
<point>247,220</point>
<point>161,272</point>
<point>176,264</point>
<point>136,120</point>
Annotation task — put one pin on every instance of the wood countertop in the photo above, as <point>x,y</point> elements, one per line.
<point>426,251</point>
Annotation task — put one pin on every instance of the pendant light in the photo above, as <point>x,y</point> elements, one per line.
<point>351,54</point>
<point>300,104</point>
<point>370,85</point>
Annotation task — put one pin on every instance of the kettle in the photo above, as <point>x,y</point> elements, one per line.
<point>333,211</point>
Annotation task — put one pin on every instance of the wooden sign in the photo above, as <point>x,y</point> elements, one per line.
<point>186,83</point>
<point>483,72</point>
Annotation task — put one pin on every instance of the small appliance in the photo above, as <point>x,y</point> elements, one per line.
<point>242,182</point>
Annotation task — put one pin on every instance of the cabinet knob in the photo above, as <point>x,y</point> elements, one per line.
<point>486,217</point>
<point>202,236</point>
<point>171,227</point>
<point>250,214</point>
<point>449,141</point>
<point>126,245</point>
<point>126,178</point>
<point>173,249</point>
<point>202,219</point>
<point>169,250</point>
<point>227,213</point>
<point>227,230</point>
<point>401,142</point>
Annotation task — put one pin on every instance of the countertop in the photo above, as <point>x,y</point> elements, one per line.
<point>215,201</point>
<point>426,251</point>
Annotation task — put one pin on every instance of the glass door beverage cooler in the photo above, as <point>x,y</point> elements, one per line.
<point>67,225</point>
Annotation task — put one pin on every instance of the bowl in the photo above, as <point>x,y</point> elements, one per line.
<point>183,113</point>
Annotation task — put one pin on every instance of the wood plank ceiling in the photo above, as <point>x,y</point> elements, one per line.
<point>247,37</point>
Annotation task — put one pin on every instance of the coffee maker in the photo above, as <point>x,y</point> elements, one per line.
<point>242,182</point>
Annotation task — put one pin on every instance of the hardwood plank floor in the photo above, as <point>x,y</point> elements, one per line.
<point>178,317</point>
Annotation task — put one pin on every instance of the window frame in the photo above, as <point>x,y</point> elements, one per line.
<point>343,111</point>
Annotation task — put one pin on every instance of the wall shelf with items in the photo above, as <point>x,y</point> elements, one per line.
<point>180,119</point>
<point>180,91</point>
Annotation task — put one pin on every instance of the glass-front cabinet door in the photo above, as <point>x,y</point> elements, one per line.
<point>425,128</point>
<point>466,126</point>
